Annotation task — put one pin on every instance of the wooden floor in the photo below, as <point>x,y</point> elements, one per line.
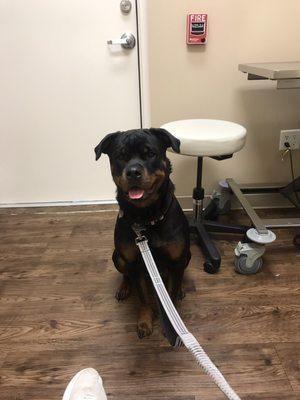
<point>58,315</point>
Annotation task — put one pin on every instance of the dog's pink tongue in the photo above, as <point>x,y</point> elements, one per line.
<point>135,194</point>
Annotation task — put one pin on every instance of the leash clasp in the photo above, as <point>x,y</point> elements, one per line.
<point>138,229</point>
<point>140,239</point>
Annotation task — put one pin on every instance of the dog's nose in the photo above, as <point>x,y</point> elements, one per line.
<point>134,173</point>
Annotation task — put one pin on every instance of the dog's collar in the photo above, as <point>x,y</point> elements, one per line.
<point>154,221</point>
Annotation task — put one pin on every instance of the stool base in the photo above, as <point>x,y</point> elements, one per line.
<point>201,229</point>
<point>204,221</point>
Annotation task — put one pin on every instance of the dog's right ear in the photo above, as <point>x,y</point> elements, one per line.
<point>105,145</point>
<point>167,138</point>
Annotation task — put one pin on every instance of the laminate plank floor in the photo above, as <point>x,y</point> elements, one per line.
<point>58,315</point>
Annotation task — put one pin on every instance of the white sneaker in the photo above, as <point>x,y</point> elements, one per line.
<point>85,385</point>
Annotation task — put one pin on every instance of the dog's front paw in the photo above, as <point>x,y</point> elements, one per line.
<point>144,329</point>
<point>178,295</point>
<point>123,291</point>
<point>144,323</point>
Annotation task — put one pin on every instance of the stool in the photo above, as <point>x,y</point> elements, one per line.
<point>218,140</point>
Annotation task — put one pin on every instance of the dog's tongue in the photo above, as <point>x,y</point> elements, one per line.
<point>135,194</point>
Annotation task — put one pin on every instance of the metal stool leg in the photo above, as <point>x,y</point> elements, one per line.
<point>213,258</point>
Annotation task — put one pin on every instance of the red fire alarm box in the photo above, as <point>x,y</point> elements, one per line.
<point>196,29</point>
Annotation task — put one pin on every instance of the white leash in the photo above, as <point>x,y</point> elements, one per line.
<point>186,337</point>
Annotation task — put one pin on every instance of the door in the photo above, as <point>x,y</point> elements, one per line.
<point>63,88</point>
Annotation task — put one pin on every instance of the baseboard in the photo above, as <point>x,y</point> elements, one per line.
<point>258,200</point>
<point>58,203</point>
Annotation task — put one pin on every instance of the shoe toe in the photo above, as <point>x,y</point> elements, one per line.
<point>85,385</point>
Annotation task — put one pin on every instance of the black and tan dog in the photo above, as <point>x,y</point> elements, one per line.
<point>145,193</point>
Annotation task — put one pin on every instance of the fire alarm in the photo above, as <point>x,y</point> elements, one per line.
<point>196,29</point>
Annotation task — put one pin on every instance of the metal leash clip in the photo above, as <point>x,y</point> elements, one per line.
<point>138,229</point>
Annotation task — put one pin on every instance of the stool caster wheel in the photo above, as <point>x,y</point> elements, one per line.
<point>210,267</point>
<point>248,258</point>
<point>296,241</point>
<point>241,265</point>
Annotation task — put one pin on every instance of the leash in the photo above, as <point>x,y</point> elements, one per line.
<point>183,335</point>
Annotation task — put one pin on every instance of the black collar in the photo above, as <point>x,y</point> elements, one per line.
<point>167,202</point>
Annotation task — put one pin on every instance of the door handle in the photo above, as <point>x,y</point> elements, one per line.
<point>127,41</point>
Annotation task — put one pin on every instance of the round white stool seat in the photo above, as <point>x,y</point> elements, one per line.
<point>207,137</point>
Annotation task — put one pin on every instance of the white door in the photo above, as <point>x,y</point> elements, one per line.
<point>62,89</point>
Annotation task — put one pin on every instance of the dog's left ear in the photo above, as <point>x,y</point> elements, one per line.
<point>167,138</point>
<point>105,145</point>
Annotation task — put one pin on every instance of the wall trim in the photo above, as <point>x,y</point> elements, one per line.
<point>258,200</point>
<point>141,7</point>
<point>58,203</point>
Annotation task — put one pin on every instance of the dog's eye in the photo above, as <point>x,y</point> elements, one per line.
<point>149,153</point>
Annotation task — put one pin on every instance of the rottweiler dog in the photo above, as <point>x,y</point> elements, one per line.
<point>145,193</point>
